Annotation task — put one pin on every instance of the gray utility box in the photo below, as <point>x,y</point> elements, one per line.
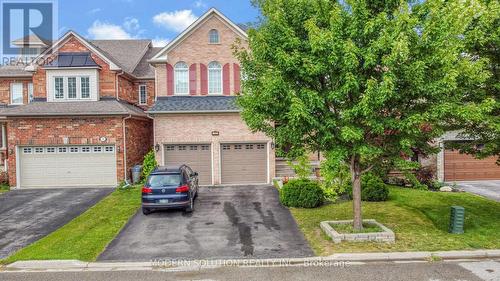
<point>457,219</point>
<point>136,173</point>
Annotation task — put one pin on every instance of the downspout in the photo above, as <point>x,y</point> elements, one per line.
<point>125,149</point>
<point>118,84</point>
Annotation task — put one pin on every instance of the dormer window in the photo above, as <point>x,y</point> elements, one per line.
<point>213,36</point>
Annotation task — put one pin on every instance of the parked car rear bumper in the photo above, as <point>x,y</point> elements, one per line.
<point>180,204</point>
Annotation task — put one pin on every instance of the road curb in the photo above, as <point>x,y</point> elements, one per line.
<point>194,265</point>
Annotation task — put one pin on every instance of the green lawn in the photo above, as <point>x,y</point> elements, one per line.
<point>86,236</point>
<point>4,188</point>
<point>419,219</point>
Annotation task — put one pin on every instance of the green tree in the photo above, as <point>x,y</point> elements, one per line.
<point>482,39</point>
<point>364,82</point>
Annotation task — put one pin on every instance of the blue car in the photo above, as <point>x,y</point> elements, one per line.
<point>170,188</point>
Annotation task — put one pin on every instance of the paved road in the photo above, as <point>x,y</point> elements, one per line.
<point>228,222</point>
<point>30,214</point>
<point>489,189</point>
<point>437,271</point>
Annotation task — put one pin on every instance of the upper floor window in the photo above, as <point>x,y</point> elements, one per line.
<point>59,87</point>
<point>85,87</point>
<point>143,95</point>
<point>16,93</point>
<point>31,96</point>
<point>213,36</point>
<point>71,87</point>
<point>181,78</point>
<point>214,78</point>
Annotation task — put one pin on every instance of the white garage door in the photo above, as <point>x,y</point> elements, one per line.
<point>67,166</point>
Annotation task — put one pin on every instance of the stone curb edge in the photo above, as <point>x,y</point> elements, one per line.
<point>193,265</point>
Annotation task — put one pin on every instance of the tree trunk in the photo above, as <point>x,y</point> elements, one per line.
<point>356,193</point>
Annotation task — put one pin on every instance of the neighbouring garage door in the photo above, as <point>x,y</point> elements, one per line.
<point>196,156</point>
<point>463,167</point>
<point>243,163</point>
<point>67,166</point>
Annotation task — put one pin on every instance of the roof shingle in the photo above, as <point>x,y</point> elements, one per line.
<point>80,108</point>
<point>176,104</point>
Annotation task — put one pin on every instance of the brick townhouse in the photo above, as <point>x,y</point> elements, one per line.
<point>95,107</point>
<point>76,117</point>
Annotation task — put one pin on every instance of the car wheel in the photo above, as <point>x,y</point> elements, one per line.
<point>146,211</point>
<point>191,206</point>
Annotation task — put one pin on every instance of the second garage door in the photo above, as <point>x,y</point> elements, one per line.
<point>243,163</point>
<point>196,156</point>
<point>463,167</point>
<point>67,166</point>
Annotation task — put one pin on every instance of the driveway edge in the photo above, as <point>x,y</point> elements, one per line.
<point>194,265</point>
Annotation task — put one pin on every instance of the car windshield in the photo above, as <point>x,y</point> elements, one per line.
<point>164,180</point>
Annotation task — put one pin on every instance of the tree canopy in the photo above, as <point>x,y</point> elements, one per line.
<point>365,82</point>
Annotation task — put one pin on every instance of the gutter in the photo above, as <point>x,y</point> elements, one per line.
<point>192,111</point>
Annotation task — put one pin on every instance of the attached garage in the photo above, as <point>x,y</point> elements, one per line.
<point>196,156</point>
<point>463,167</point>
<point>244,163</point>
<point>67,166</point>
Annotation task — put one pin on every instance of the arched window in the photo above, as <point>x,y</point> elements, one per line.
<point>213,36</point>
<point>214,78</point>
<point>181,78</point>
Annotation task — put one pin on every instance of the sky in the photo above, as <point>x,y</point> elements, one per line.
<point>159,20</point>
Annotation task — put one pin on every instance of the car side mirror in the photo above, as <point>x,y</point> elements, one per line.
<point>195,174</point>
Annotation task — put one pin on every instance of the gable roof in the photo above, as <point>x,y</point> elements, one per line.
<point>59,43</point>
<point>159,57</point>
<point>125,53</point>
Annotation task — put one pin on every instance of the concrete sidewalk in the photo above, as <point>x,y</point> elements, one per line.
<point>196,265</point>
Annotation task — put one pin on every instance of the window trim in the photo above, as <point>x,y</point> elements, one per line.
<point>210,32</point>
<point>12,93</point>
<point>55,90</point>
<point>175,78</point>
<point>145,102</point>
<point>221,79</point>
<point>80,88</point>
<point>76,87</point>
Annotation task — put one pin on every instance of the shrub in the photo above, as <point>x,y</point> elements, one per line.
<point>301,193</point>
<point>148,165</point>
<point>302,166</point>
<point>4,178</point>
<point>336,179</point>
<point>425,176</point>
<point>414,182</point>
<point>372,189</point>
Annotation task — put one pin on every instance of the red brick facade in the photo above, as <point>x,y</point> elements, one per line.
<point>83,130</point>
<point>56,131</point>
<point>139,140</point>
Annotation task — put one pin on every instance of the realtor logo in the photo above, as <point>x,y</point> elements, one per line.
<point>27,27</point>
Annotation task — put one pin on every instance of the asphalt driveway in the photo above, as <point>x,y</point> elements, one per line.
<point>30,214</point>
<point>489,189</point>
<point>228,222</point>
